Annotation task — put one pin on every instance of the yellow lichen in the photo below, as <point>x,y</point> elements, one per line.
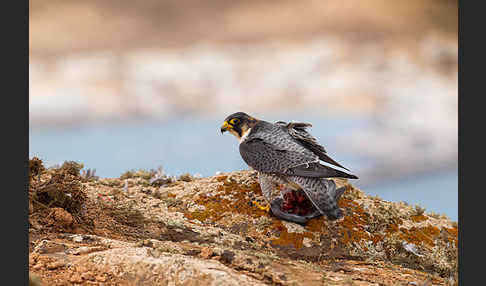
<point>425,235</point>
<point>289,239</point>
<point>171,195</point>
<point>236,199</point>
<point>418,218</point>
<point>353,224</point>
<point>316,224</point>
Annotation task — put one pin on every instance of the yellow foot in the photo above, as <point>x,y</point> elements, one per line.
<point>263,208</point>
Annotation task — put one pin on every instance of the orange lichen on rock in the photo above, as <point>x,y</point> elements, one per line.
<point>452,231</point>
<point>316,224</point>
<point>392,228</point>
<point>376,238</point>
<point>215,206</point>
<point>353,224</point>
<point>171,195</point>
<point>418,218</point>
<point>220,214</point>
<point>370,226</point>
<point>353,233</point>
<point>236,199</point>
<point>289,238</point>
<point>426,235</point>
<point>452,237</point>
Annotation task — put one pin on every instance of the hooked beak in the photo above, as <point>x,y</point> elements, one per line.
<point>225,127</point>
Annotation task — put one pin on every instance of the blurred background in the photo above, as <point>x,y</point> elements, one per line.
<point>122,85</point>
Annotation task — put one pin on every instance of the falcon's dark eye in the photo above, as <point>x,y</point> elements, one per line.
<point>234,121</point>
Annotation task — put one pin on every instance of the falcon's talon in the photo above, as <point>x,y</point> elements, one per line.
<point>263,208</point>
<point>300,219</point>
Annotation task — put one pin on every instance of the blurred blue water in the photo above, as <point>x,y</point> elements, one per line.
<point>436,192</point>
<point>185,144</point>
<point>195,145</point>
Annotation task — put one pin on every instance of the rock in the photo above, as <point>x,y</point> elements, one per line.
<point>33,258</point>
<point>76,278</point>
<point>55,265</point>
<point>206,253</point>
<point>213,235</point>
<point>227,256</point>
<point>47,246</point>
<point>34,280</point>
<point>77,238</point>
<point>84,250</point>
<point>100,278</point>
<point>61,217</point>
<point>137,264</point>
<point>88,276</point>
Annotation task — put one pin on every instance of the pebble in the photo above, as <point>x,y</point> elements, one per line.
<point>88,276</point>
<point>55,264</point>
<point>84,250</point>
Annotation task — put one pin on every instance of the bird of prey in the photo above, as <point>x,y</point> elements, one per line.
<point>287,158</point>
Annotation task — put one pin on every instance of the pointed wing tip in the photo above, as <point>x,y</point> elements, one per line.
<point>293,123</point>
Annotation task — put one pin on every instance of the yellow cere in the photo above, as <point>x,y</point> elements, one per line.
<point>226,125</point>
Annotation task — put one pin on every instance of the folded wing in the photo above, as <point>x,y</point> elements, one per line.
<point>299,132</point>
<point>264,156</point>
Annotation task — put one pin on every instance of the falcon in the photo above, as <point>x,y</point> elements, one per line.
<point>288,161</point>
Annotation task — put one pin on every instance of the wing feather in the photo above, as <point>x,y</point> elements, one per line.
<point>298,130</point>
<point>266,157</point>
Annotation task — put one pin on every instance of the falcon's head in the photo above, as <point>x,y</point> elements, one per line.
<point>238,124</point>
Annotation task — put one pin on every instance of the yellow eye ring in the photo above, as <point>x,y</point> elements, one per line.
<point>234,121</point>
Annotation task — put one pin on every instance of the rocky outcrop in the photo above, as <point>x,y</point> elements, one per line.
<point>207,231</point>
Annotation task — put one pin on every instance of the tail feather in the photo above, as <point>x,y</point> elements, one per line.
<point>331,187</point>
<point>338,193</point>
<point>317,170</point>
<point>327,159</point>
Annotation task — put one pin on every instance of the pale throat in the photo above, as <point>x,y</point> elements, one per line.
<point>245,135</point>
